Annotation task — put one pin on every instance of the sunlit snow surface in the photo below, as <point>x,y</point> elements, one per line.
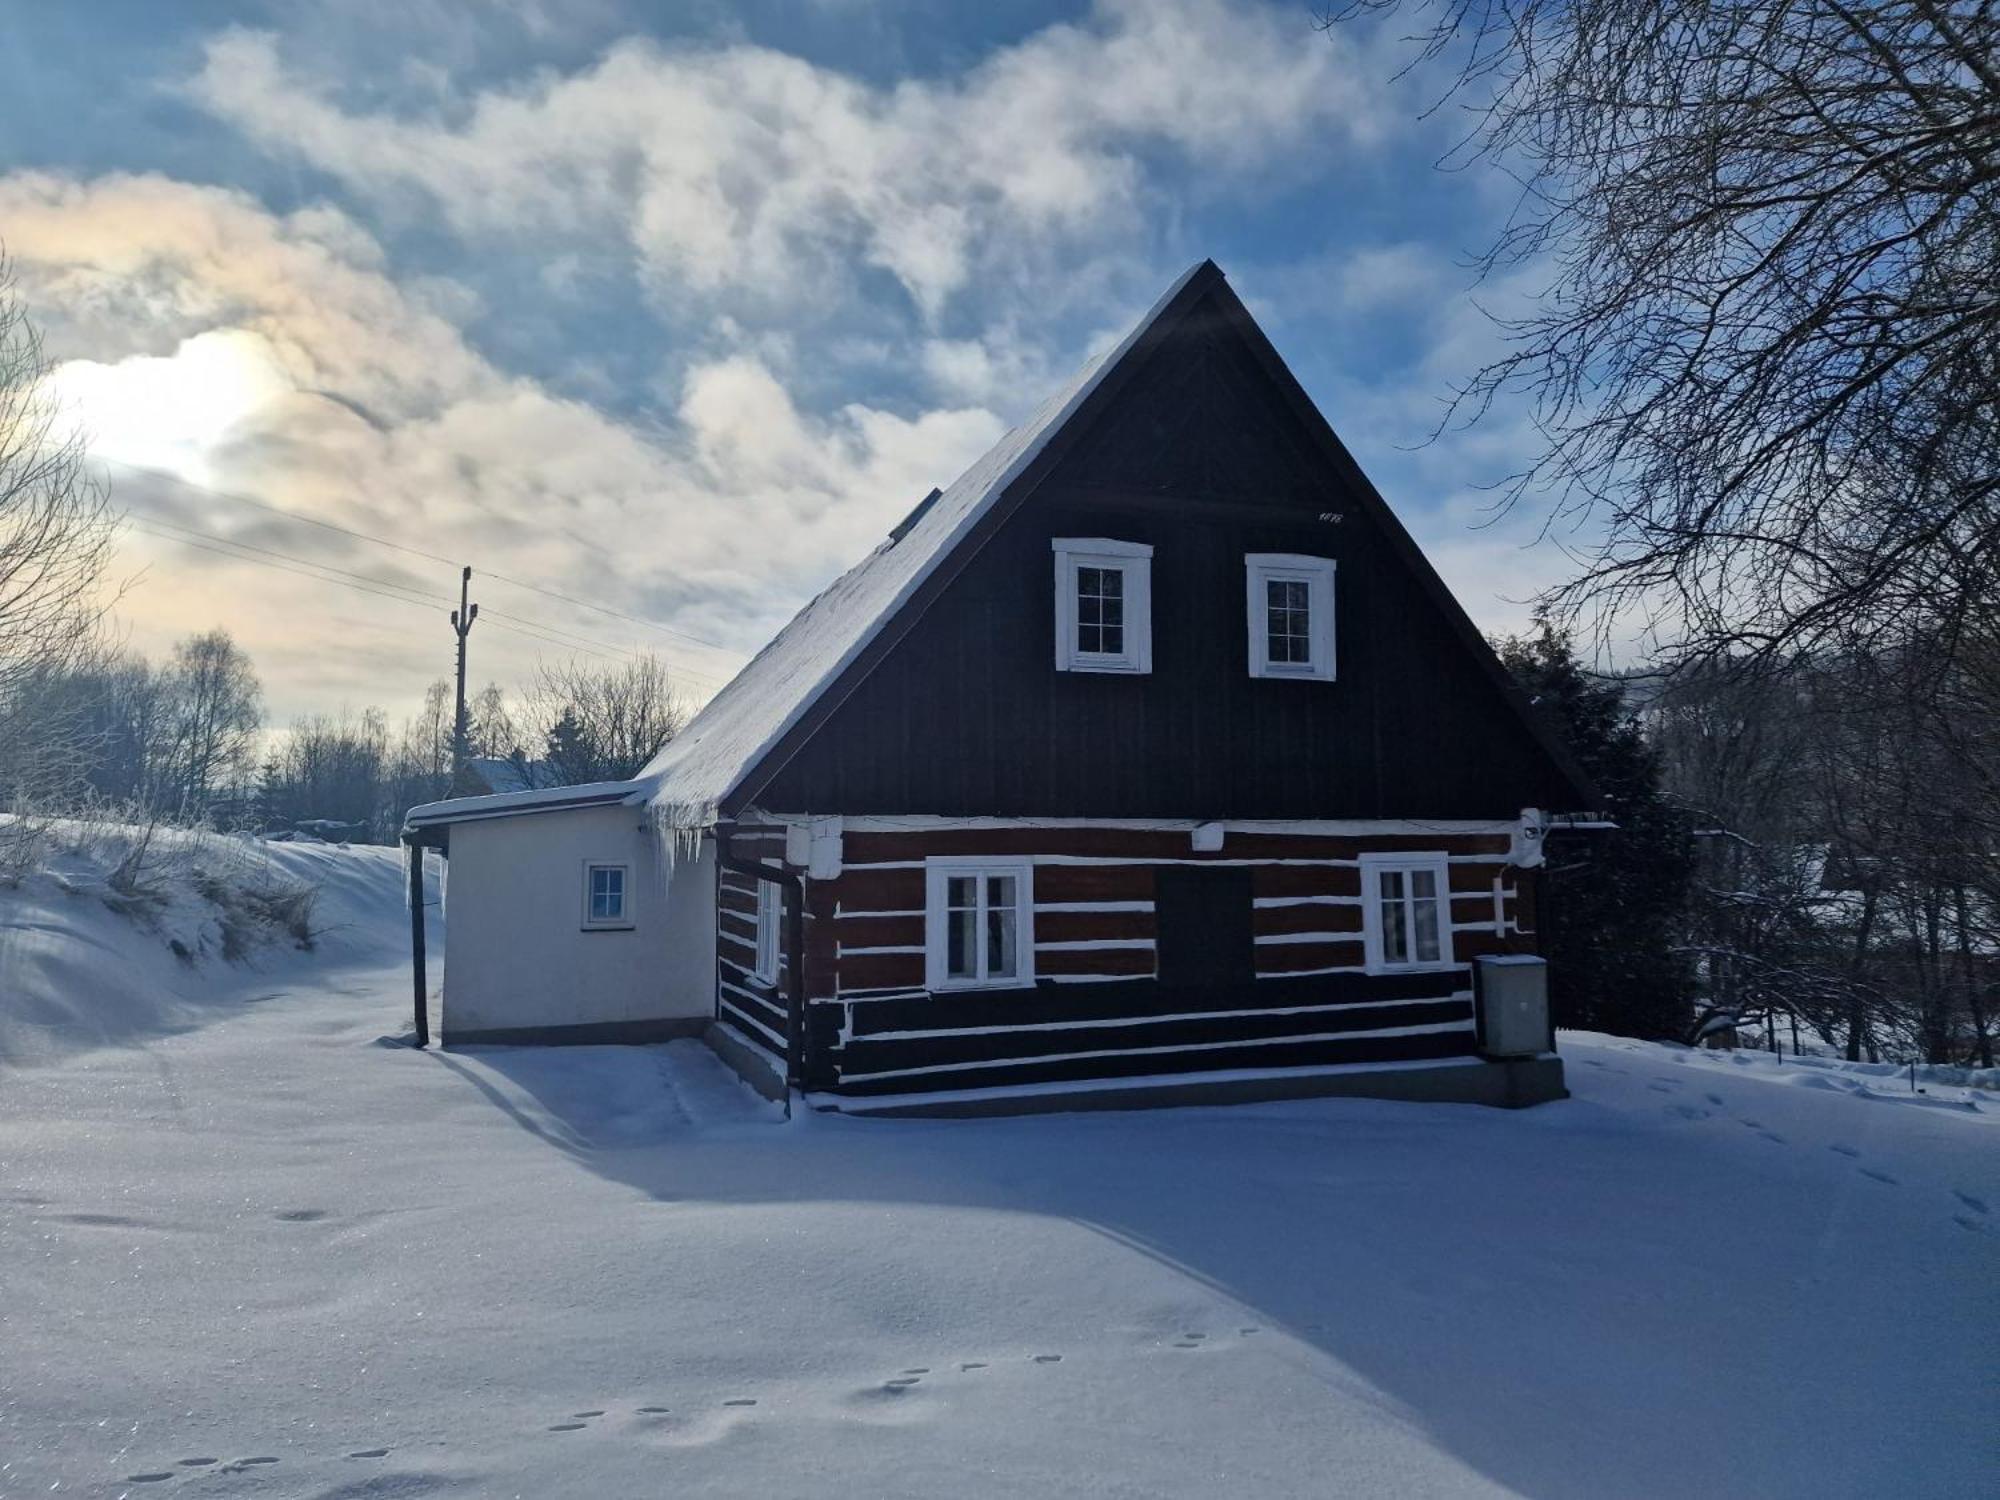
<point>274,1254</point>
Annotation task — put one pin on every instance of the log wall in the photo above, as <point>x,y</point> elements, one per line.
<point>1098,1008</point>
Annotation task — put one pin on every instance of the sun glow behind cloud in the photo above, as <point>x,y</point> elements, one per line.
<point>173,412</point>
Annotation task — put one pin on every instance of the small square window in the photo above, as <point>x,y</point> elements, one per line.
<point>1406,911</point>
<point>604,896</point>
<point>979,923</point>
<point>1290,616</point>
<point>1104,620</point>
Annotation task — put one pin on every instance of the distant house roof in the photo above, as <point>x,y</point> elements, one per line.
<point>697,770</point>
<point>484,774</point>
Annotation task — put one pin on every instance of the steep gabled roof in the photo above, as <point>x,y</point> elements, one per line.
<point>694,775</point>
<point>759,720</point>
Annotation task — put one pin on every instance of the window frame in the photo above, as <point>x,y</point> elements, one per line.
<point>1134,562</point>
<point>939,869</point>
<point>1260,570</point>
<point>623,921</point>
<point>768,963</point>
<point>1372,925</point>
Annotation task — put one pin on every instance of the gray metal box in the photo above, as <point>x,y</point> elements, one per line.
<point>1514,1005</point>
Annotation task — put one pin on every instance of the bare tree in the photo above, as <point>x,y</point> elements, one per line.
<point>217,710</point>
<point>490,727</point>
<point>604,724</point>
<point>1767,360</point>
<point>55,540</point>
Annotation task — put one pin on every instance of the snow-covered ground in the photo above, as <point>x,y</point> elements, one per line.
<point>275,1253</point>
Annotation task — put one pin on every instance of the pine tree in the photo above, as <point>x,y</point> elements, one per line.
<point>1611,901</point>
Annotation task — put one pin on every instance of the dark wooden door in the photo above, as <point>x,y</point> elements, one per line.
<point>1202,925</point>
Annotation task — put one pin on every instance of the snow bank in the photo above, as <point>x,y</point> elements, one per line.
<point>117,933</point>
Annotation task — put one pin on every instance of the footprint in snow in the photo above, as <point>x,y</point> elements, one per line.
<point>900,1384</point>
<point>1847,1151</point>
<point>1246,1332</point>
<point>147,1478</point>
<point>1977,1205</point>
<point>239,1465</point>
<point>583,1415</point>
<point>654,1411</point>
<point>1772,1135</point>
<point>1048,1359</point>
<point>300,1215</point>
<point>1715,1099</point>
<point>741,1401</point>
<point>370,1453</point>
<point>198,1463</point>
<point>569,1427</point>
<point>1879,1176</point>
<point>972,1364</point>
<point>1966,1221</point>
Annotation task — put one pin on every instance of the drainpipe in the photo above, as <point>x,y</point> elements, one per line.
<point>794,887</point>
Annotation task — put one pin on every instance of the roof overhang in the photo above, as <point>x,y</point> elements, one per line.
<point>439,815</point>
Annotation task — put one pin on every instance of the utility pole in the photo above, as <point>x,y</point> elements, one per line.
<point>461,624</point>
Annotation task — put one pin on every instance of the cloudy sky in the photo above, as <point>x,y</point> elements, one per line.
<point>676,308</point>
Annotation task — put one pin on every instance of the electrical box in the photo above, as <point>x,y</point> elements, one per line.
<point>1514,1005</point>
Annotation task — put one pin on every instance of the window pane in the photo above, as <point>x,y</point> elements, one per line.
<point>1426,912</point>
<point>999,890</point>
<point>1395,918</point>
<point>961,891</point>
<point>960,943</point>
<point>1100,611</point>
<point>1288,616</point>
<point>1000,942</point>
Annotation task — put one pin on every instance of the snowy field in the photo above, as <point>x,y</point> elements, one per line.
<point>259,1249</point>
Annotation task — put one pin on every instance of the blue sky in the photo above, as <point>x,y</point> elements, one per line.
<point>675,308</point>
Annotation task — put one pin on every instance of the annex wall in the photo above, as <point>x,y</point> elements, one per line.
<point>519,958</point>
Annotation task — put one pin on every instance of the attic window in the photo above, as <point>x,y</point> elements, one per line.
<point>1104,605</point>
<point>1290,600</point>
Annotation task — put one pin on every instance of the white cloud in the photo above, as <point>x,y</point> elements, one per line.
<point>272,354</point>
<point>744,171</point>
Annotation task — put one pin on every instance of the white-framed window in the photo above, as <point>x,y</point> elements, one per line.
<point>1406,911</point>
<point>604,895</point>
<point>770,910</point>
<point>1290,599</point>
<point>978,923</point>
<point>1104,605</point>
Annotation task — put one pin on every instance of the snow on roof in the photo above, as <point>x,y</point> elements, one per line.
<point>702,764</point>
<point>507,804</point>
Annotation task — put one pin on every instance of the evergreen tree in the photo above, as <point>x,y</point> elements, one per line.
<point>1612,902</point>
<point>570,754</point>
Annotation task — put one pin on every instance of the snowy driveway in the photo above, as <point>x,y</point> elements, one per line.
<point>277,1256</point>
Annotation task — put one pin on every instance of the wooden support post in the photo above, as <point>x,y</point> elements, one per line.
<point>423,1016</point>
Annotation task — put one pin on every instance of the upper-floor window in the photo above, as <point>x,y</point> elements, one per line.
<point>604,896</point>
<point>979,922</point>
<point>1104,605</point>
<point>1406,911</point>
<point>1290,615</point>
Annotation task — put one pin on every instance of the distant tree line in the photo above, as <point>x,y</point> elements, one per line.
<point>185,740</point>
<point>1806,853</point>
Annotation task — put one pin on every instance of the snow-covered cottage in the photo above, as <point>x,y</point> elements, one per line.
<point>1150,761</point>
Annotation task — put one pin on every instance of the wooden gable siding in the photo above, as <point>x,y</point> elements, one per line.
<point>1097,1009</point>
<point>1200,455</point>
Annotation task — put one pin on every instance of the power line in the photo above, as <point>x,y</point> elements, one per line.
<point>539,630</point>
<point>401,595</point>
<point>519,583</point>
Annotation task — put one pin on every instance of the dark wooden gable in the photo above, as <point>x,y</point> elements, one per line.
<point>1204,446</point>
